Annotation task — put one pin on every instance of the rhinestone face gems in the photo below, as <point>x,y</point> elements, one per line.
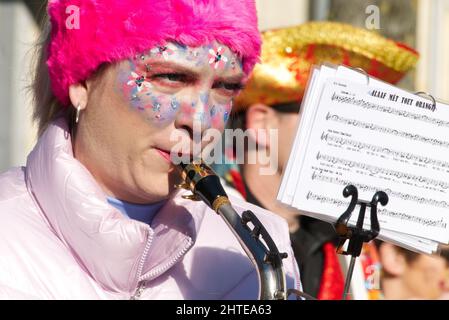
<point>216,58</point>
<point>174,81</point>
<point>139,82</point>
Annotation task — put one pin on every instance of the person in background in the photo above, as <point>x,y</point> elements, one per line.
<point>272,100</point>
<point>405,274</point>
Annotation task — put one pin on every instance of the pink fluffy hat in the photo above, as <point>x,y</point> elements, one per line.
<point>112,30</point>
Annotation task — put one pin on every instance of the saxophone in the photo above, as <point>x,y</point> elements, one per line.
<point>205,185</point>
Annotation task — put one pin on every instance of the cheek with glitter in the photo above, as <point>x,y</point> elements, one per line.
<point>159,109</point>
<point>130,89</point>
<point>133,84</point>
<point>213,111</point>
<point>219,115</point>
<point>226,116</point>
<point>166,108</point>
<point>174,104</point>
<point>186,111</point>
<point>162,110</point>
<point>155,104</point>
<point>204,98</point>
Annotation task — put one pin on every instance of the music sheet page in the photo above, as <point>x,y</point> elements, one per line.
<point>378,140</point>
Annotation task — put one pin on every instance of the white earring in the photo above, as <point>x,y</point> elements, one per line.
<point>78,111</point>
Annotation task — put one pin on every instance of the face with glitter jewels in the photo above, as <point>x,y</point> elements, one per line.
<point>135,107</point>
<point>175,82</point>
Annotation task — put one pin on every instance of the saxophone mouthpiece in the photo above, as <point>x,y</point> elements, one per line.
<point>204,184</point>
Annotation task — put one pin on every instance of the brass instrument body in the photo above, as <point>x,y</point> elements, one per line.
<point>205,185</point>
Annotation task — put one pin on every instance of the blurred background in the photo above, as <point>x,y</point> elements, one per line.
<point>421,24</point>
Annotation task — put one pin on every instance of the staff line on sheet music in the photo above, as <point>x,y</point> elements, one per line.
<point>381,212</point>
<point>391,193</point>
<point>374,127</point>
<point>362,145</point>
<point>375,170</point>
<point>401,113</point>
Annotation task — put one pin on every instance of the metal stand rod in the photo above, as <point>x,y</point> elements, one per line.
<point>348,278</point>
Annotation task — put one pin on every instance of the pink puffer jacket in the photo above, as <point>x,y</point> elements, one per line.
<point>60,239</point>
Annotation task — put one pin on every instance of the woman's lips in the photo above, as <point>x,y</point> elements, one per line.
<point>165,154</point>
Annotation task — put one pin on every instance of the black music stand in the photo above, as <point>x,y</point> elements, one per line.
<point>356,234</point>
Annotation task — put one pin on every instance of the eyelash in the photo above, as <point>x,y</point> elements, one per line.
<point>184,78</point>
<point>174,77</point>
<point>228,86</point>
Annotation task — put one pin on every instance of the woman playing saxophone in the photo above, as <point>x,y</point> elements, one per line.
<point>94,214</point>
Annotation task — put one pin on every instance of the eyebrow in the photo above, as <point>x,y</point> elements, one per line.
<point>191,71</point>
<point>174,65</point>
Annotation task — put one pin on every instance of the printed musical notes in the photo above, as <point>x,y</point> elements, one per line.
<point>378,138</point>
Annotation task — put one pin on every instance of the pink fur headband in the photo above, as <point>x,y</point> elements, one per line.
<point>113,30</point>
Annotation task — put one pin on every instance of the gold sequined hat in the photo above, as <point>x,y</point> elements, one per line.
<point>288,55</point>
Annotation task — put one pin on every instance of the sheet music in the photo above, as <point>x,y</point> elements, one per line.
<point>379,138</point>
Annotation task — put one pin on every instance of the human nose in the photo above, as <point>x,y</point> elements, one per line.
<point>194,115</point>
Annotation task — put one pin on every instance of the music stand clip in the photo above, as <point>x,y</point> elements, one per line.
<point>356,234</point>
